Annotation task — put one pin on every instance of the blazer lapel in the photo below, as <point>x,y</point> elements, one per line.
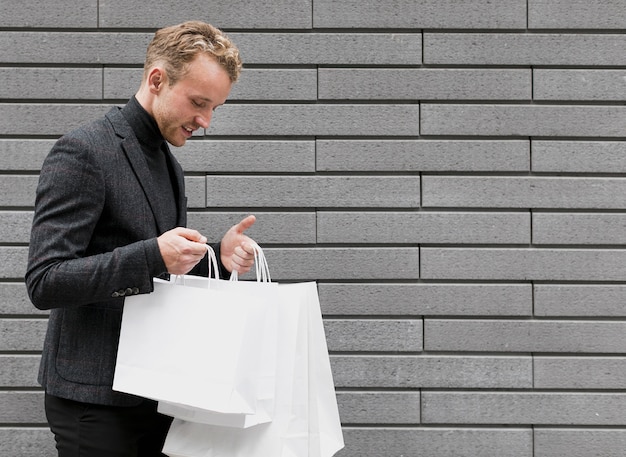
<point>132,149</point>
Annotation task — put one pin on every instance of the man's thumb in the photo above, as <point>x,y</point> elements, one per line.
<point>246,223</point>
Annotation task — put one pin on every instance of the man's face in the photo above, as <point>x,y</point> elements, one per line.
<point>189,104</point>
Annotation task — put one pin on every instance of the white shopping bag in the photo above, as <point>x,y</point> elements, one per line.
<point>266,365</point>
<point>268,349</point>
<point>306,421</point>
<point>193,346</point>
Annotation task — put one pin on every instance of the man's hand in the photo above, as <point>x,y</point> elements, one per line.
<point>236,251</point>
<point>181,249</point>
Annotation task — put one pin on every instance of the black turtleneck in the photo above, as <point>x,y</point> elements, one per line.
<point>155,150</point>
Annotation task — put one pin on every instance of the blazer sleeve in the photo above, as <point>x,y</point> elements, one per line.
<point>71,260</point>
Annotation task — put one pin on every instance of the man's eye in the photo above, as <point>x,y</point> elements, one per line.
<point>198,104</point>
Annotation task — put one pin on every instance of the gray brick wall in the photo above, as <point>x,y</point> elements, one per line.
<point>451,173</point>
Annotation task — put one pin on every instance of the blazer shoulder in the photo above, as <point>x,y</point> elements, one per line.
<point>110,130</point>
<point>111,122</point>
<point>96,141</point>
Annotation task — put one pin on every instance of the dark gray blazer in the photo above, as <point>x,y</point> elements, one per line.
<point>93,241</point>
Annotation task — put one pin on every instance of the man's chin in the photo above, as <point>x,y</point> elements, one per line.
<point>176,142</point>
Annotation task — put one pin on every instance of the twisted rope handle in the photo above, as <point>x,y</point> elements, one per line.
<point>211,259</point>
<point>261,268</point>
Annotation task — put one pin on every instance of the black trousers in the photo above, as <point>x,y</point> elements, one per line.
<point>87,430</point>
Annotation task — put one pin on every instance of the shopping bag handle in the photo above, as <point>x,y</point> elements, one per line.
<point>211,259</point>
<point>260,262</point>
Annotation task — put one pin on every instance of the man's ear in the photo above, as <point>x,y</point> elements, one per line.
<point>156,79</point>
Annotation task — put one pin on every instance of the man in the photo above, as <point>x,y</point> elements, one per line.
<point>109,216</point>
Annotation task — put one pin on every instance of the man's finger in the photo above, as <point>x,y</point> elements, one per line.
<point>191,235</point>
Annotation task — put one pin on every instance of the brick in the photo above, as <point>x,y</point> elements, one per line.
<point>15,226</point>
<point>523,408</point>
<point>523,264</point>
<point>313,191</point>
<point>580,300</point>
<point>426,299</point>
<point>278,14</point>
<point>308,120</point>
<point>23,154</point>
<point>19,370</point>
<point>13,262</point>
<point>524,49</point>
<point>440,442</point>
<point>579,156</point>
<point>247,156</point>
<point>16,190</point>
<point>423,227</point>
<point>22,334</point>
<point>27,441</point>
<point>253,84</point>
<point>584,85</point>
<point>14,300</point>
<point>306,264</point>
<point>375,407</point>
<point>425,14</point>
<point>22,47</point>
<point>576,14</point>
<point>579,442</point>
<point>424,84</point>
<point>374,335</point>
<point>523,192</point>
<point>429,84</point>
<point>580,373</point>
<point>579,228</point>
<point>51,83</point>
<point>46,119</point>
<point>22,407</point>
<point>428,371</point>
<point>270,227</point>
<point>49,14</point>
<point>524,336</point>
<point>422,155</point>
<point>330,48</point>
<point>523,120</point>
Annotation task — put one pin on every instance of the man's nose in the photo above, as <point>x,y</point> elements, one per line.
<point>203,121</point>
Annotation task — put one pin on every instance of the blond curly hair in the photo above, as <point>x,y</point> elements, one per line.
<point>176,46</point>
